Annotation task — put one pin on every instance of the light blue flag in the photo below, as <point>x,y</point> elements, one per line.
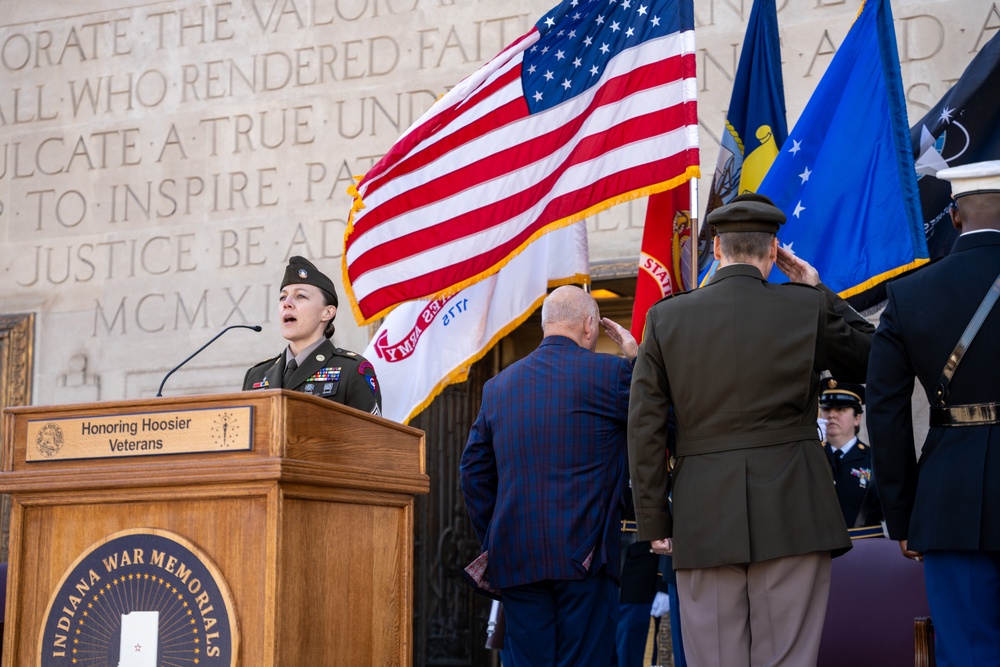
<point>845,176</point>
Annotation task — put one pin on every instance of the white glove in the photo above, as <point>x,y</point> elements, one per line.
<point>821,425</point>
<point>661,605</point>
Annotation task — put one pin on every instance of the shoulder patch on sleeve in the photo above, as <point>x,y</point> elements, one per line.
<point>367,369</point>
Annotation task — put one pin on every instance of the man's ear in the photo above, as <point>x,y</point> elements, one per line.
<point>956,217</point>
<point>717,248</point>
<point>591,331</point>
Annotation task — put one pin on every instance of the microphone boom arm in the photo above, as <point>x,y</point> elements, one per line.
<point>254,327</point>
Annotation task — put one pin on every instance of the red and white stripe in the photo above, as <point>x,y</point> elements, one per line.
<point>478,177</point>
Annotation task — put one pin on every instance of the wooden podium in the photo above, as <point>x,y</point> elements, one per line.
<point>300,507</point>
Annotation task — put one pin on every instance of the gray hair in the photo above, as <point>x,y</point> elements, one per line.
<point>746,247</point>
<point>568,306</point>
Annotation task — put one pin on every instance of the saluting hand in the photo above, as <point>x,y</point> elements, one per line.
<point>622,337</point>
<point>797,269</point>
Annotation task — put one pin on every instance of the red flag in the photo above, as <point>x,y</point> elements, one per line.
<point>665,259</point>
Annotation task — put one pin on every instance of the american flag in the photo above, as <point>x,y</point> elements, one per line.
<point>594,106</point>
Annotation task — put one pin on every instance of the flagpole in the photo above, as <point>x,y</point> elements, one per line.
<point>695,231</point>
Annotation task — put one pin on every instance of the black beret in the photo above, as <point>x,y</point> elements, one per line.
<point>749,212</point>
<point>300,271</point>
<point>834,394</point>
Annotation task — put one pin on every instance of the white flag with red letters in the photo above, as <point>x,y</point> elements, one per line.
<point>423,346</point>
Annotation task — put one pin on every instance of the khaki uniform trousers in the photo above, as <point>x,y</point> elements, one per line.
<point>767,614</point>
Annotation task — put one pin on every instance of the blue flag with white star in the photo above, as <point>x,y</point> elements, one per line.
<point>845,176</point>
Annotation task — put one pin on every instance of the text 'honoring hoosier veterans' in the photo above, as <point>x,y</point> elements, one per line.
<point>178,432</point>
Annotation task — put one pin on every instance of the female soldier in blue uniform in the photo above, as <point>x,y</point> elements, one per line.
<point>840,404</point>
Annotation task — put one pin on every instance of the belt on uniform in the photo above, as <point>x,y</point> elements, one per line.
<point>865,532</point>
<point>629,526</point>
<point>965,415</point>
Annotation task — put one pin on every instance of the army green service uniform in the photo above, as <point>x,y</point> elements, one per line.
<point>329,372</point>
<point>739,360</point>
<point>755,516</point>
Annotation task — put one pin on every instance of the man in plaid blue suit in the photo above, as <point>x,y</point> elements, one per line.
<point>543,475</point>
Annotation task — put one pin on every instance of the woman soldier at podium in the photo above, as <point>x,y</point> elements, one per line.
<point>310,363</point>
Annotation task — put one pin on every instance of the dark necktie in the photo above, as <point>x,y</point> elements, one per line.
<point>834,455</point>
<point>286,379</point>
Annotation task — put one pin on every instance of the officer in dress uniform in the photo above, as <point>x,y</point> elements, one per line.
<point>310,363</point>
<point>840,404</point>
<point>945,509</point>
<point>754,520</point>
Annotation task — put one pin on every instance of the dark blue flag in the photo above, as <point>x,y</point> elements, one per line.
<point>845,176</point>
<point>755,121</point>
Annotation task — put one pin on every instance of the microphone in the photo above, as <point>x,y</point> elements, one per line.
<point>254,327</point>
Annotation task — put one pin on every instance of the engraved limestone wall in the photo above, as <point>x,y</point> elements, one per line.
<point>160,160</point>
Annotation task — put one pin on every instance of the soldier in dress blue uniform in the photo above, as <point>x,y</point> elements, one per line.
<point>310,363</point>
<point>945,508</point>
<point>840,403</point>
